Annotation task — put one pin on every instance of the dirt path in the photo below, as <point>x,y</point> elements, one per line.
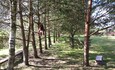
<point>48,61</point>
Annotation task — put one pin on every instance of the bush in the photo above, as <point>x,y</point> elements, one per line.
<point>3,39</point>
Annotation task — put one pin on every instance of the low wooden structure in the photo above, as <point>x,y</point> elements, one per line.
<point>18,59</point>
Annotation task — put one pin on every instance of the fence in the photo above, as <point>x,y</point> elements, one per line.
<point>18,59</point>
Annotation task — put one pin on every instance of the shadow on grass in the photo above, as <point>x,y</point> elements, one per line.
<point>75,57</point>
<point>108,59</point>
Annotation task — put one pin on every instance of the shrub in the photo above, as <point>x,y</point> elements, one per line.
<point>3,39</point>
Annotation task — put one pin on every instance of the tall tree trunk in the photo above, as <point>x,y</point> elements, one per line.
<point>32,28</point>
<point>56,31</point>
<point>40,44</point>
<point>34,42</point>
<point>23,34</point>
<point>29,31</point>
<point>54,34</point>
<point>72,40</point>
<point>87,37</point>
<point>27,46</point>
<point>12,35</point>
<point>58,34</point>
<point>49,37</point>
<point>40,40</point>
<point>45,32</point>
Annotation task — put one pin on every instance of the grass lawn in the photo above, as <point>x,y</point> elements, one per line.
<point>61,57</point>
<point>100,45</point>
<point>104,45</point>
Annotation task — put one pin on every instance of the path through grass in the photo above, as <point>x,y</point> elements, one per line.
<point>61,57</point>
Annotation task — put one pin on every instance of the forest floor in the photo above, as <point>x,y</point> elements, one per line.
<point>61,57</point>
<point>50,60</point>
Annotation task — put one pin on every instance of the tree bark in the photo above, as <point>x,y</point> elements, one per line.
<point>27,46</point>
<point>54,36</point>
<point>87,36</point>
<point>12,35</point>
<point>49,37</point>
<point>40,44</point>
<point>72,40</point>
<point>34,42</point>
<point>45,32</point>
<point>23,35</point>
<point>32,28</point>
<point>40,40</point>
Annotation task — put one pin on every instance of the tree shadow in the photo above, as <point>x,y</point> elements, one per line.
<point>108,59</point>
<point>52,64</point>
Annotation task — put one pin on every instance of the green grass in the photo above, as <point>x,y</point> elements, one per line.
<point>103,46</point>
<point>99,46</point>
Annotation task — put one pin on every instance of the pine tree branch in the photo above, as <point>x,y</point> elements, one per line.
<point>101,29</point>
